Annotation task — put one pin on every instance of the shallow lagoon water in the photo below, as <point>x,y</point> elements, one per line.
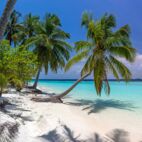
<point>126,92</point>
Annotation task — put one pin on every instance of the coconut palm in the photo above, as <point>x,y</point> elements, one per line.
<point>26,29</point>
<point>50,45</point>
<point>5,16</point>
<point>102,51</point>
<point>12,27</point>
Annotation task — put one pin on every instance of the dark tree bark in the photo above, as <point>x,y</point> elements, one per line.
<point>0,92</point>
<point>37,78</point>
<point>5,16</point>
<point>58,98</point>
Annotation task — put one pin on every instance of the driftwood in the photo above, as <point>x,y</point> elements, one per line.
<point>46,99</point>
<point>34,90</point>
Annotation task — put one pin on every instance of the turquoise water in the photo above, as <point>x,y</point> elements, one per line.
<point>127,92</point>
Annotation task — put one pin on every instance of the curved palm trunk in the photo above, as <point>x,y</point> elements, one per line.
<point>5,16</point>
<point>72,87</point>
<point>37,78</point>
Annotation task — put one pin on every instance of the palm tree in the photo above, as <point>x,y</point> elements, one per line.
<point>50,45</point>
<point>29,26</point>
<point>5,16</point>
<point>12,27</point>
<point>102,51</point>
<point>26,29</point>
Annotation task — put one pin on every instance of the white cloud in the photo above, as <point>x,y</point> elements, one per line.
<point>74,72</point>
<point>135,67</point>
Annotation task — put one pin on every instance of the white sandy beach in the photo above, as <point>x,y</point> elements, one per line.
<point>70,122</point>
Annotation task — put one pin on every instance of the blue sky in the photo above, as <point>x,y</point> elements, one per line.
<point>70,11</point>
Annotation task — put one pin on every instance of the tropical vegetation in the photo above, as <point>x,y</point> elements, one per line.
<point>42,44</point>
<point>5,16</point>
<point>17,66</point>
<point>103,50</point>
<point>30,45</point>
<point>12,28</point>
<point>49,44</point>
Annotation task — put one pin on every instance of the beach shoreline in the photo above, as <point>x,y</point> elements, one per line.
<point>41,122</point>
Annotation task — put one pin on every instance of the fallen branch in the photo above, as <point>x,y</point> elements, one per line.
<point>46,99</point>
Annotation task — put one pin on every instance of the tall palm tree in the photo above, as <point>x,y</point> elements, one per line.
<point>5,16</point>
<point>102,50</point>
<point>12,27</point>
<point>50,45</point>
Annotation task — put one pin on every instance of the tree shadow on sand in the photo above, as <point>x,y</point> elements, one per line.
<point>16,111</point>
<point>99,105</point>
<point>53,136</point>
<point>67,136</point>
<point>116,135</point>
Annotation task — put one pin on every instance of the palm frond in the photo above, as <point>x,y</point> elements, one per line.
<point>108,21</point>
<point>123,31</point>
<point>106,85</point>
<point>122,69</point>
<point>126,52</point>
<point>89,66</point>
<point>82,45</point>
<point>77,58</point>
<point>99,75</point>
<point>86,18</point>
<point>112,68</point>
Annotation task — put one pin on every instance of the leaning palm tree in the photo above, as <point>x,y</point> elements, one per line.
<point>102,51</point>
<point>5,16</point>
<point>50,45</point>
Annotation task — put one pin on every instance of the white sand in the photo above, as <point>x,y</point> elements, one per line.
<point>49,122</point>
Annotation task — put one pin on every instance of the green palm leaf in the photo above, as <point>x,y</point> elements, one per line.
<point>76,59</point>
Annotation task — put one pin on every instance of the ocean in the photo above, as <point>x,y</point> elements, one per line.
<point>126,93</point>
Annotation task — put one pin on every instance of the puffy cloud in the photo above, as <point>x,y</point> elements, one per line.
<point>74,72</point>
<point>135,67</point>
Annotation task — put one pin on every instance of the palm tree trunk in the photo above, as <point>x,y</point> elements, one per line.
<point>37,78</point>
<point>72,87</point>
<point>0,92</point>
<point>5,16</point>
